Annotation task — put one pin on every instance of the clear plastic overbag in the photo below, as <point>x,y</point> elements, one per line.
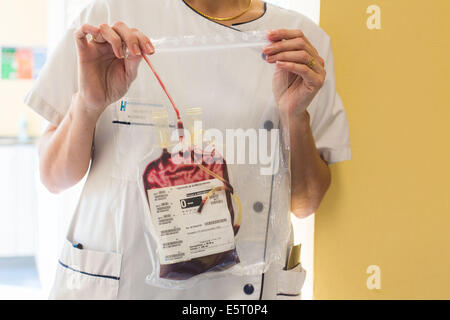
<point>207,145</point>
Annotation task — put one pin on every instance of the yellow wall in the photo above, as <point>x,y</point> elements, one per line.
<point>22,23</point>
<point>389,206</point>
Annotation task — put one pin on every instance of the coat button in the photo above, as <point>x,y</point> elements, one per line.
<point>258,207</point>
<point>249,289</point>
<point>268,125</point>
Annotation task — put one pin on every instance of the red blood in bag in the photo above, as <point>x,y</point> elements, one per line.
<point>165,172</point>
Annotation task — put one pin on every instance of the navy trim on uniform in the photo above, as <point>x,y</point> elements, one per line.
<point>88,274</point>
<point>230,27</point>
<point>288,295</point>
<point>138,124</point>
<point>122,122</point>
<point>133,123</point>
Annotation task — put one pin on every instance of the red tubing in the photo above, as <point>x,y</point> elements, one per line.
<point>165,90</point>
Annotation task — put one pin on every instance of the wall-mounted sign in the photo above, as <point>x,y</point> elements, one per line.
<point>9,63</point>
<point>21,63</point>
<point>39,58</point>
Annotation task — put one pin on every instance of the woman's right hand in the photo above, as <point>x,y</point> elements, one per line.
<point>105,72</point>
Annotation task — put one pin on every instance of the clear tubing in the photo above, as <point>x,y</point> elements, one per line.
<point>193,116</point>
<point>161,121</point>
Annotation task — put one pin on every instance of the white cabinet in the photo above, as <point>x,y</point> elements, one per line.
<point>18,200</point>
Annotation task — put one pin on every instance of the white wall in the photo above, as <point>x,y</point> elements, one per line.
<point>22,24</point>
<point>18,214</point>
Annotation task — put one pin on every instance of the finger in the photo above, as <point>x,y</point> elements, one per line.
<point>301,57</point>
<point>289,45</point>
<point>82,33</point>
<point>129,37</point>
<point>288,34</point>
<point>113,39</point>
<point>145,43</point>
<point>284,34</point>
<point>98,38</point>
<point>311,78</point>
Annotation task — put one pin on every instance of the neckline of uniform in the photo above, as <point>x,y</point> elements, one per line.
<point>234,24</point>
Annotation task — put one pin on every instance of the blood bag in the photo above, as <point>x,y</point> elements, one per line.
<point>202,137</point>
<point>191,242</point>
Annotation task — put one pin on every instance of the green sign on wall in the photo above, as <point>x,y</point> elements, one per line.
<point>9,63</point>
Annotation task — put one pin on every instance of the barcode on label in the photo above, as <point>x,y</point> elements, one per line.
<point>170,231</point>
<point>163,208</point>
<point>172,244</point>
<point>214,222</point>
<point>175,256</point>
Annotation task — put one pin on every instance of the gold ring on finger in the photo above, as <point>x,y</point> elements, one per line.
<point>312,63</point>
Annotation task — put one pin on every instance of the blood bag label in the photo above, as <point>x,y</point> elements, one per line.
<point>184,233</point>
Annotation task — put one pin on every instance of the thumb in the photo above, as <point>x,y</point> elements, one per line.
<point>132,66</point>
<point>280,82</point>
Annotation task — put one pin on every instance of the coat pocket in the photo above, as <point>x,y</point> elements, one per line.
<point>87,274</point>
<point>290,283</point>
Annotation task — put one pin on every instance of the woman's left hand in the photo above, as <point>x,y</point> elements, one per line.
<point>300,70</point>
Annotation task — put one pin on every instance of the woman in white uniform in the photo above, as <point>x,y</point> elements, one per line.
<point>105,256</point>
